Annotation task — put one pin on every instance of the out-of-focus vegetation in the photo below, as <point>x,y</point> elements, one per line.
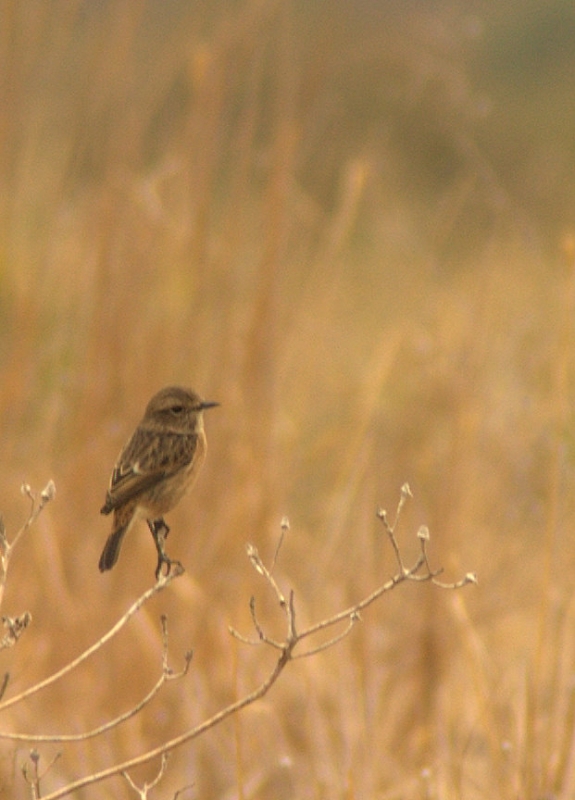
<point>351,224</point>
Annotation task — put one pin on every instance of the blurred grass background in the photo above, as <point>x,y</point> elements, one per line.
<point>352,224</point>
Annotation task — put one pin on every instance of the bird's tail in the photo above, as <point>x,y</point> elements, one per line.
<point>111,549</point>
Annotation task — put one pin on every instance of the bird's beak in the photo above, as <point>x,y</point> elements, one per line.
<point>208,405</point>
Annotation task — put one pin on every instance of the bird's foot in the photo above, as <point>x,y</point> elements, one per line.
<point>160,530</point>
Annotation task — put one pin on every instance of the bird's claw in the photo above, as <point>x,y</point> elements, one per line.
<point>160,530</point>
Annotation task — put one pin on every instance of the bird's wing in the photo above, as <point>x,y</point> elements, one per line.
<point>147,459</point>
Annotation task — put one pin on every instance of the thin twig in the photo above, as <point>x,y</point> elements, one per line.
<point>355,617</point>
<point>405,494</point>
<point>162,582</point>
<point>352,613</point>
<point>48,493</point>
<point>292,638</point>
<point>358,607</point>
<point>33,780</point>
<point>143,792</point>
<point>260,567</point>
<point>36,507</point>
<point>182,790</point>
<point>263,637</point>
<point>4,684</point>
<point>183,738</point>
<point>284,530</point>
<point>167,675</point>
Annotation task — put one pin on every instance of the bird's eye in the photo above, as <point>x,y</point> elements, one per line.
<point>176,409</point>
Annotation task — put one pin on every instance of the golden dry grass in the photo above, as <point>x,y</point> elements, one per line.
<point>212,196</point>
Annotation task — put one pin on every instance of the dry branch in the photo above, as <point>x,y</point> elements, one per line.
<point>419,571</point>
<point>167,675</point>
<point>162,582</point>
<point>15,627</point>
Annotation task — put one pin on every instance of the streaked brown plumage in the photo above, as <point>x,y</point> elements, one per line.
<point>155,469</point>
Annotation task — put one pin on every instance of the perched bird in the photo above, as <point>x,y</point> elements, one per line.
<point>156,467</point>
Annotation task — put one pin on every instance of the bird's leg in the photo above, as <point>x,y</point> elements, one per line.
<point>160,530</point>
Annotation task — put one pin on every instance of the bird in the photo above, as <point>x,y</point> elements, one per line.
<point>156,467</point>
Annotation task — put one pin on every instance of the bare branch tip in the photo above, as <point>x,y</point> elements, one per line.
<point>48,492</point>
<point>4,684</point>
<point>182,790</point>
<point>244,639</point>
<point>15,627</point>
<point>255,559</point>
<point>423,533</point>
